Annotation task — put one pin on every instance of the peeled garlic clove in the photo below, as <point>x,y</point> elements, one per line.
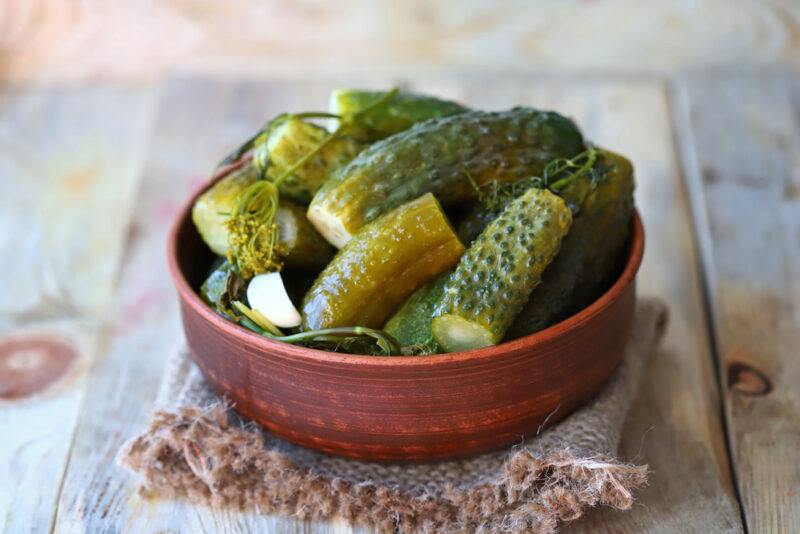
<point>267,294</point>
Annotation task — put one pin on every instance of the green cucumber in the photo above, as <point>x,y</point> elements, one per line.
<point>288,139</point>
<point>411,324</point>
<point>400,113</point>
<point>474,222</point>
<point>299,244</point>
<point>448,157</point>
<point>592,253</point>
<point>501,268</point>
<point>211,210</point>
<point>381,266</point>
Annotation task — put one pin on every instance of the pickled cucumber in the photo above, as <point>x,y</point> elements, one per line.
<point>411,324</point>
<point>447,157</point>
<point>474,222</point>
<point>383,264</point>
<point>299,245</point>
<point>592,253</point>
<point>290,138</point>
<point>497,274</point>
<point>400,113</point>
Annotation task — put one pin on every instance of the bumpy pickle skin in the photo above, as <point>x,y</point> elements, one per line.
<point>447,157</point>
<point>501,268</point>
<point>211,210</point>
<point>474,222</point>
<point>400,113</point>
<point>381,266</point>
<point>411,324</point>
<point>288,140</point>
<point>591,255</point>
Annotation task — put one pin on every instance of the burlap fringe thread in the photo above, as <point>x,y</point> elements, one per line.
<point>196,453</point>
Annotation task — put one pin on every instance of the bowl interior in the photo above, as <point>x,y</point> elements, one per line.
<point>190,261</point>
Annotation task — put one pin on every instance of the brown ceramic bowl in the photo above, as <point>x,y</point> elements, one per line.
<point>404,408</point>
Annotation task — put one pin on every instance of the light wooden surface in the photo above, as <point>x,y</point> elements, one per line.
<point>745,148</point>
<point>716,159</point>
<point>47,40</point>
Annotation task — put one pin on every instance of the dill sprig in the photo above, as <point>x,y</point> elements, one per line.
<point>378,342</point>
<point>561,172</point>
<point>253,234</point>
<point>557,175</point>
<point>252,231</point>
<point>421,349</point>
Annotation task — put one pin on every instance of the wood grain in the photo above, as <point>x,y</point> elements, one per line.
<point>741,141</point>
<point>69,162</point>
<point>89,40</point>
<point>38,428</point>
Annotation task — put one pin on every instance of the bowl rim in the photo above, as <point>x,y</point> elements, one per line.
<point>192,298</point>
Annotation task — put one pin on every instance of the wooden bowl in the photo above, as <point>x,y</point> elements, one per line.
<point>403,409</point>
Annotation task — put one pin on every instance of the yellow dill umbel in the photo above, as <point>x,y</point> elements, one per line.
<point>252,231</point>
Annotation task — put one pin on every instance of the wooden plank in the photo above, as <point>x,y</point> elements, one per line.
<point>70,159</point>
<point>742,147</point>
<point>68,169</point>
<point>54,40</point>
<point>38,428</point>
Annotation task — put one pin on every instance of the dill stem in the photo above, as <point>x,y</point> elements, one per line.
<point>591,157</point>
<point>343,125</point>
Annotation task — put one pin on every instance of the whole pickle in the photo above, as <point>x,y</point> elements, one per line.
<point>592,253</point>
<point>447,157</point>
<point>383,264</point>
<point>400,113</point>
<point>290,138</point>
<point>501,268</point>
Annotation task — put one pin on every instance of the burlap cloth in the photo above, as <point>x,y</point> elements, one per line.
<point>198,449</point>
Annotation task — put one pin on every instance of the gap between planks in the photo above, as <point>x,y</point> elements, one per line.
<point>746,135</point>
<point>686,154</point>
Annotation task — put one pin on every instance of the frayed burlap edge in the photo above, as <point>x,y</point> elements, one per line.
<point>197,454</point>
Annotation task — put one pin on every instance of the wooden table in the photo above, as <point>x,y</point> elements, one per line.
<point>91,177</point>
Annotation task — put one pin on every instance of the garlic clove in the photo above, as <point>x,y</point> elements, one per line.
<point>267,294</point>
